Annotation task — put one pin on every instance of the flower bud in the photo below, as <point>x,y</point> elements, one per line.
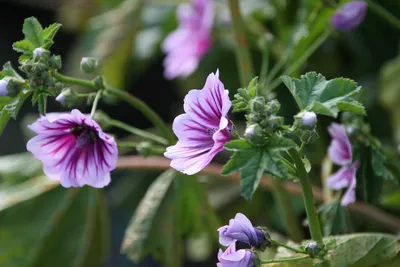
<point>349,16</point>
<point>99,82</point>
<point>254,133</point>
<point>61,98</point>
<point>257,104</point>
<point>40,51</point>
<point>88,65</point>
<point>307,119</point>
<point>313,248</point>
<point>274,106</point>
<point>307,136</point>
<point>67,97</point>
<point>55,62</point>
<point>3,87</point>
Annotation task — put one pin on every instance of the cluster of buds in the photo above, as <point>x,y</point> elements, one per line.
<point>304,126</point>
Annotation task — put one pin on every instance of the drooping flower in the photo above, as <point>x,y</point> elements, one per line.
<point>73,149</point>
<point>240,229</point>
<point>3,87</point>
<point>340,151</point>
<point>350,15</point>
<point>204,128</point>
<point>190,42</point>
<point>233,258</point>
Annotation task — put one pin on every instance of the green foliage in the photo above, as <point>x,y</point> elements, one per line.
<point>174,205</point>
<point>366,249</point>
<point>12,108</point>
<point>244,95</point>
<point>34,231</point>
<point>9,71</point>
<point>252,161</point>
<point>33,32</point>
<point>333,218</point>
<point>49,33</point>
<point>313,92</point>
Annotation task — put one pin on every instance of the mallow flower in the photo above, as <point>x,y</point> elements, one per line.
<point>203,129</point>
<point>73,149</point>
<point>240,229</point>
<point>186,46</point>
<point>235,258</point>
<point>349,16</point>
<point>340,152</point>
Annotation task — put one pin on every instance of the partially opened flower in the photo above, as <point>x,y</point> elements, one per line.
<point>350,15</point>
<point>233,258</point>
<point>240,229</point>
<point>73,149</point>
<point>190,42</point>
<point>204,128</point>
<point>340,151</point>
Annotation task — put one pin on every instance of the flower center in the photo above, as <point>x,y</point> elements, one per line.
<point>211,131</point>
<point>84,135</point>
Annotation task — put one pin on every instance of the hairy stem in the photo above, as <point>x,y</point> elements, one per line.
<point>242,52</point>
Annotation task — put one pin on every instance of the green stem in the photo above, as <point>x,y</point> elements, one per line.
<point>154,150</point>
<point>285,259</point>
<point>95,102</point>
<point>311,211</point>
<point>379,10</point>
<point>242,52</point>
<point>275,242</point>
<point>302,59</point>
<point>264,67</point>
<point>138,132</point>
<point>130,99</point>
<point>286,211</point>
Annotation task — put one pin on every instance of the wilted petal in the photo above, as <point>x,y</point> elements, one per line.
<point>340,149</point>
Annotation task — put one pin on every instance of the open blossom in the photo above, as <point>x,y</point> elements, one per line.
<point>190,42</point>
<point>233,258</point>
<point>240,229</point>
<point>340,151</point>
<point>73,149</point>
<point>203,129</point>
<point>350,15</point>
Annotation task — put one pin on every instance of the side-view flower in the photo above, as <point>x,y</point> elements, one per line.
<point>203,129</point>
<point>235,258</point>
<point>73,149</point>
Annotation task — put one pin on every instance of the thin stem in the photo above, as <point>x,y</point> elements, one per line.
<point>379,10</point>
<point>130,99</point>
<point>264,66</point>
<point>311,211</point>
<point>275,83</point>
<point>242,52</point>
<point>286,211</point>
<point>275,70</point>
<point>275,242</point>
<point>146,110</point>
<point>95,102</point>
<point>153,150</point>
<point>286,259</point>
<point>138,132</point>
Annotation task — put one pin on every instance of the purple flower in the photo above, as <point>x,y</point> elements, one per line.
<point>308,118</point>
<point>240,229</point>
<point>190,42</point>
<point>340,151</point>
<point>349,16</point>
<point>233,258</point>
<point>73,149</point>
<point>3,87</point>
<point>204,128</point>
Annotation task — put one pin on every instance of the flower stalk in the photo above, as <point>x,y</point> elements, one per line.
<point>275,242</point>
<point>379,10</point>
<point>288,259</point>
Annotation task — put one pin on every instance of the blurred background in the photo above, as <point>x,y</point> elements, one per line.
<point>127,40</point>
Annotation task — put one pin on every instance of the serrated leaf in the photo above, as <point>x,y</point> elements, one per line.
<point>24,46</point>
<point>280,143</point>
<point>12,108</point>
<point>8,70</point>
<point>366,249</point>
<point>238,144</point>
<point>50,31</point>
<point>252,172</point>
<point>33,31</point>
<point>238,160</point>
<point>327,97</point>
<point>136,234</point>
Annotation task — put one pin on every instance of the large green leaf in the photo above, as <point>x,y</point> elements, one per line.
<point>365,249</point>
<point>56,228</point>
<point>12,108</point>
<point>33,31</point>
<point>327,97</point>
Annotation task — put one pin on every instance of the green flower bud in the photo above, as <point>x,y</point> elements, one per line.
<point>67,97</point>
<point>88,65</point>
<point>274,106</point>
<point>313,249</point>
<point>267,242</point>
<point>254,134</point>
<point>257,104</point>
<point>305,120</point>
<point>40,52</point>
<point>253,117</point>
<point>99,82</point>
<point>55,62</point>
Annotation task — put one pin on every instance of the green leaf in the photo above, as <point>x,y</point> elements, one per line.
<point>238,144</point>
<point>136,235</point>
<point>333,218</point>
<point>366,249</point>
<point>33,31</point>
<point>378,164</point>
<point>12,108</point>
<point>280,143</point>
<point>327,97</point>
<point>252,172</point>
<point>50,32</point>
<point>238,160</point>
<point>9,71</point>
<point>24,46</point>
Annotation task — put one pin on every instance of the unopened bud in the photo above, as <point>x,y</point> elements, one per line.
<point>67,97</point>
<point>308,118</point>
<point>55,62</point>
<point>313,248</point>
<point>88,65</point>
<point>61,98</point>
<point>349,16</point>
<point>40,51</point>
<point>3,87</point>
<point>274,106</point>
<point>254,133</point>
<point>99,82</point>
<point>257,104</point>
